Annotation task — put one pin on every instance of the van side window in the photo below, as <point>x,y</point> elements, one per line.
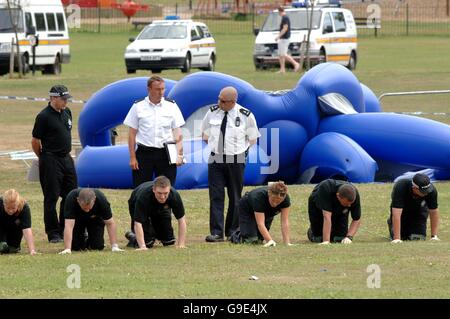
<point>51,23</point>
<point>200,32</point>
<point>206,32</point>
<point>327,24</point>
<point>28,21</point>
<point>40,21</point>
<point>193,32</point>
<point>339,21</point>
<point>60,19</point>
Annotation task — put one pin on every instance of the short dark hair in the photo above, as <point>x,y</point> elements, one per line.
<point>154,78</point>
<point>86,196</point>
<point>161,181</point>
<point>347,191</point>
<point>280,9</point>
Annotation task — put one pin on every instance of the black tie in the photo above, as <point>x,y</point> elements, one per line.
<point>223,127</point>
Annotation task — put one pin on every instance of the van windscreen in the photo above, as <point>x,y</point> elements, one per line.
<point>300,20</point>
<point>5,20</point>
<point>163,32</point>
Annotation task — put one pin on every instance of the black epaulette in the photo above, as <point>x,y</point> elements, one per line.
<point>245,112</point>
<point>169,100</point>
<point>214,107</point>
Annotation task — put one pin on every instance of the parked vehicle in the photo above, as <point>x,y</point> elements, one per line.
<point>172,44</point>
<point>43,21</point>
<point>333,36</point>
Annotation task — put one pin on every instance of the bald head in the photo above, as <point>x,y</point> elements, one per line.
<point>227,98</point>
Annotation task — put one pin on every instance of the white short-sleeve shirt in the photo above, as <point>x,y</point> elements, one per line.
<point>154,122</point>
<point>240,130</point>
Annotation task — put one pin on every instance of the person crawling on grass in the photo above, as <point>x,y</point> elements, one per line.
<point>329,205</point>
<point>15,223</point>
<point>257,210</point>
<point>86,212</point>
<point>151,205</point>
<point>413,200</point>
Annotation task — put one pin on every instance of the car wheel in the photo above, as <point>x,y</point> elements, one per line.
<point>352,61</point>
<point>25,64</point>
<point>211,63</point>
<point>54,68</point>
<point>131,71</point>
<point>322,56</point>
<point>187,64</point>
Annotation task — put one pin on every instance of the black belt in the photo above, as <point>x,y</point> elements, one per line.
<point>148,148</point>
<point>56,154</point>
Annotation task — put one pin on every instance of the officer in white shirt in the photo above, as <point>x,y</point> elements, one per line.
<point>229,130</point>
<point>154,121</point>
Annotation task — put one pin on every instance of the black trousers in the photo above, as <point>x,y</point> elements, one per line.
<point>153,162</point>
<point>225,172</point>
<point>247,222</point>
<point>58,177</point>
<point>11,234</point>
<point>157,226</point>
<point>339,224</point>
<point>95,228</point>
<point>413,224</point>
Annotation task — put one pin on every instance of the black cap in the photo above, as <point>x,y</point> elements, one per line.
<point>423,183</point>
<point>60,91</point>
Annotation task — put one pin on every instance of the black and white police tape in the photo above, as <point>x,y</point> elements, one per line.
<point>36,99</point>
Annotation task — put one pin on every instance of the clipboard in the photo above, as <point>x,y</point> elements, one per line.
<point>171,151</point>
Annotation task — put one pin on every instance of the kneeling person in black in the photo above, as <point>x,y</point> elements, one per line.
<point>412,201</point>
<point>258,208</point>
<point>329,206</point>
<point>150,205</point>
<point>88,210</point>
<point>15,222</point>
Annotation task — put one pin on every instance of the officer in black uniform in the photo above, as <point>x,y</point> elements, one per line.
<point>257,210</point>
<point>15,222</point>
<point>150,206</point>
<point>87,211</point>
<point>153,123</point>
<point>229,130</point>
<point>52,143</point>
<point>329,206</point>
<point>412,201</point>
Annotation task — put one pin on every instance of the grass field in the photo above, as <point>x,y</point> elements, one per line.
<point>410,270</point>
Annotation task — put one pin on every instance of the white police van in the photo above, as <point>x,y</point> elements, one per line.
<point>333,36</point>
<point>43,20</point>
<point>172,44</point>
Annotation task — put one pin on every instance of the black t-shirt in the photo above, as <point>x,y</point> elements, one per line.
<point>285,20</point>
<point>324,198</point>
<point>257,200</point>
<point>54,130</point>
<point>21,220</point>
<point>403,197</point>
<point>146,204</point>
<point>101,208</point>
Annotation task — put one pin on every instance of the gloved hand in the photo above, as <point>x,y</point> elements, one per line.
<point>435,238</point>
<point>115,248</point>
<point>65,251</point>
<point>325,243</point>
<point>270,243</point>
<point>346,240</point>
<point>396,241</point>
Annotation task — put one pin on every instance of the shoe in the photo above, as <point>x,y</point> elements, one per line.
<point>55,240</point>
<point>214,238</point>
<point>4,248</point>
<point>150,243</point>
<point>168,242</point>
<point>131,239</point>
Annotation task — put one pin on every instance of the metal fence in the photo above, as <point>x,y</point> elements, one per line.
<point>398,17</point>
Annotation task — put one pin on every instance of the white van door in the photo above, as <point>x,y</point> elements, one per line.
<point>343,41</point>
<point>195,46</point>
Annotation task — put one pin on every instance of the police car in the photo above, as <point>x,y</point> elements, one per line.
<point>333,36</point>
<point>172,44</point>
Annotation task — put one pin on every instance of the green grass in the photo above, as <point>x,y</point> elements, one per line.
<point>411,270</point>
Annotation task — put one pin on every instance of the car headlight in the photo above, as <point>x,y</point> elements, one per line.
<point>260,48</point>
<point>5,47</point>
<point>131,51</point>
